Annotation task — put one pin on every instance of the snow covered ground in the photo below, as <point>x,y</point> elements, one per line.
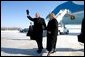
<point>14,43</point>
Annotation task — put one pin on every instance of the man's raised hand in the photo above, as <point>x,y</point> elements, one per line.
<point>27,11</point>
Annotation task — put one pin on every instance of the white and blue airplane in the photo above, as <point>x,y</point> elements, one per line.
<point>69,9</point>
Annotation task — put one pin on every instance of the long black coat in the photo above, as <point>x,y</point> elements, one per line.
<point>30,32</point>
<point>52,32</point>
<point>39,23</point>
<point>82,35</point>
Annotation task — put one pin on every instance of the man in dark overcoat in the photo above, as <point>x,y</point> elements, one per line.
<point>39,25</point>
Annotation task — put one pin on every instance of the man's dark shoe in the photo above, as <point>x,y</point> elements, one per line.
<point>39,51</point>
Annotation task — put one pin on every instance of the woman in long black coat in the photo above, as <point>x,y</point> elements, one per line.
<point>52,32</point>
<point>30,32</point>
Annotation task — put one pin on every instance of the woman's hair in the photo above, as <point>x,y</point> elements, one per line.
<point>52,15</point>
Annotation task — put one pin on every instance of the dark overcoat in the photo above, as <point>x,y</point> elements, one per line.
<point>82,34</point>
<point>52,32</point>
<point>39,23</point>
